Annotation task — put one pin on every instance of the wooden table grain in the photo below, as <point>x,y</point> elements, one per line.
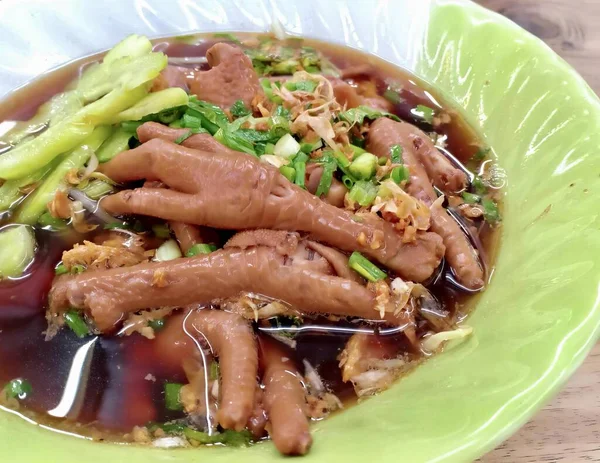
<point>568,429</point>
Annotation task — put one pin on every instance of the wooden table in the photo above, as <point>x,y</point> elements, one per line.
<point>568,429</point>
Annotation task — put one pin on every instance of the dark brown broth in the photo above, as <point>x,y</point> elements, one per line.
<point>125,380</point>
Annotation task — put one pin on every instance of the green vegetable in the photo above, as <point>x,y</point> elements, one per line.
<point>396,154</point>
<point>269,148</point>
<point>308,86</point>
<point>424,112</point>
<point>96,189</point>
<point>308,147</point>
<point>326,179</point>
<point>392,96</point>
<point>400,174</point>
<point>10,191</point>
<point>280,111</point>
<point>479,187</point>
<point>157,325</point>
<point>215,371</point>
<point>46,221</point>
<point>18,389</point>
<point>267,87</point>
<point>153,103</point>
<point>161,230</point>
<point>481,154</point>
<point>363,193</point>
<point>239,109</point>
<point>490,211</point>
<point>235,141</point>
<point>300,167</point>
<point>357,151</point>
<point>227,437</point>
<point>172,394</point>
<point>77,269</point>
<point>35,204</point>
<point>227,36</point>
<point>365,268</point>
<point>132,46</point>
<point>61,269</point>
<point>76,323</point>
<point>364,167</point>
<point>382,161</point>
<point>357,115</point>
<point>211,116</point>
<point>169,428</point>
<point>347,181</point>
<point>17,249</point>
<point>48,115</point>
<point>286,147</point>
<point>470,198</point>
<point>169,250</point>
<point>200,248</point>
<point>288,172</point>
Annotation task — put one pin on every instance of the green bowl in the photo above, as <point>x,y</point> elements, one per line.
<point>539,317</point>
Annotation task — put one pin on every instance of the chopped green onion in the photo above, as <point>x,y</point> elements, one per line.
<point>239,109</point>
<point>200,248</point>
<point>382,161</point>
<point>424,112</point>
<point>400,174</point>
<point>326,178</point>
<point>161,230</point>
<point>481,154</point>
<point>60,269</point>
<point>470,198</point>
<point>235,140</point>
<point>18,389</point>
<point>308,147</point>
<point>365,268</point>
<point>357,151</point>
<point>269,148</point>
<point>490,211</point>
<point>363,193</point>
<point>357,115</point>
<point>396,154</point>
<point>76,323</point>
<point>288,172</point>
<point>286,146</point>
<point>172,394</point>
<point>227,36</point>
<point>478,185</point>
<point>348,182</point>
<point>364,167</point>
<point>157,325</point>
<point>169,250</point>
<point>77,269</point>
<point>392,96</point>
<point>268,89</point>
<point>47,221</point>
<point>341,159</point>
<point>169,428</point>
<point>302,86</point>
<point>17,250</point>
<point>228,437</point>
<point>300,173</point>
<point>184,137</point>
<point>214,371</point>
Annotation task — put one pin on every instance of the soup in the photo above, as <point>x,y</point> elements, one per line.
<point>217,240</point>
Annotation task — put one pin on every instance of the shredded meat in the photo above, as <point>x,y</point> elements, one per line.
<point>237,191</point>
<point>230,78</point>
<point>383,135</point>
<point>284,399</point>
<point>95,257</point>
